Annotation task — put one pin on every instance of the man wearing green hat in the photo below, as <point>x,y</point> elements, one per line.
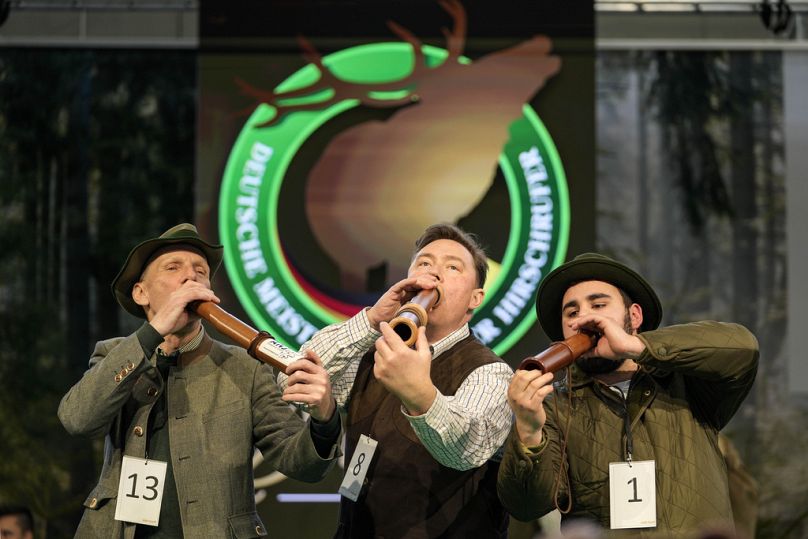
<point>183,413</point>
<point>630,440</point>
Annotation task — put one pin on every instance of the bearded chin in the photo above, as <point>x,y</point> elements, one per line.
<point>598,365</point>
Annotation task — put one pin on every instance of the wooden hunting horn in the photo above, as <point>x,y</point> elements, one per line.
<point>560,354</point>
<point>412,315</point>
<point>259,344</point>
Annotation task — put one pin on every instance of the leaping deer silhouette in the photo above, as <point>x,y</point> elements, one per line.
<point>378,184</point>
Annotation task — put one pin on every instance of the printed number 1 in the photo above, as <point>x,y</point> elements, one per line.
<point>152,487</point>
<point>635,498</point>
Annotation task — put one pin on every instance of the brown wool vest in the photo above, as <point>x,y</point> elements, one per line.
<point>407,493</point>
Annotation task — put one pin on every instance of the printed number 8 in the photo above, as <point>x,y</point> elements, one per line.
<point>359,461</point>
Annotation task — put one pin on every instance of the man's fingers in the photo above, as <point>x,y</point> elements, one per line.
<point>312,356</point>
<point>389,339</point>
<point>527,386</point>
<point>421,343</point>
<point>301,365</point>
<point>521,378</point>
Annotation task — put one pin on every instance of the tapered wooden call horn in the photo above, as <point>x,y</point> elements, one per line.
<point>560,354</point>
<point>412,315</point>
<point>259,344</point>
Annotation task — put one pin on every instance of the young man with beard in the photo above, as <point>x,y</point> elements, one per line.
<point>630,441</point>
<point>436,415</point>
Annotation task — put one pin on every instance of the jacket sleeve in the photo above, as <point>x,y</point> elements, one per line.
<point>718,360</point>
<point>527,476</point>
<point>341,347</point>
<point>283,438</point>
<point>93,403</point>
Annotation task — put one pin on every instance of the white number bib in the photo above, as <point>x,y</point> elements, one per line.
<point>140,492</point>
<point>632,494</point>
<point>355,473</point>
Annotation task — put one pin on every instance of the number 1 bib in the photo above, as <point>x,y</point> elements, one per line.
<point>632,494</point>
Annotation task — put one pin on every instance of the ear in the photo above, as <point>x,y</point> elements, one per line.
<point>477,296</point>
<point>635,314</point>
<point>139,294</point>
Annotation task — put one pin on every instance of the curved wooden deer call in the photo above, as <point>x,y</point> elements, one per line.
<point>259,344</point>
<point>412,315</point>
<point>560,354</point>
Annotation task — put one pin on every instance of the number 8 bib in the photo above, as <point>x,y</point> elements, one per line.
<point>355,472</point>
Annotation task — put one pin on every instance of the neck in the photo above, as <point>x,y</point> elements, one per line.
<point>624,372</point>
<point>175,341</point>
<point>434,334</point>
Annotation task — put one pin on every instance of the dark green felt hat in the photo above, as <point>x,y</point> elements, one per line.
<point>182,234</point>
<point>593,267</point>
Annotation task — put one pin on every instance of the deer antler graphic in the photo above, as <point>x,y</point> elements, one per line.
<point>339,90</point>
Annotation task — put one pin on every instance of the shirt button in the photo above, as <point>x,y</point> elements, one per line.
<point>646,393</point>
<point>151,392</point>
<point>138,431</point>
<point>259,530</point>
<point>118,378</point>
<point>93,503</point>
<point>662,351</point>
<point>130,366</point>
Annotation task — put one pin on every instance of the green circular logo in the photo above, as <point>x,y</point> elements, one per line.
<point>280,298</point>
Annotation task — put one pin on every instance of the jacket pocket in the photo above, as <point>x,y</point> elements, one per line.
<point>224,411</point>
<point>247,526</point>
<point>100,496</point>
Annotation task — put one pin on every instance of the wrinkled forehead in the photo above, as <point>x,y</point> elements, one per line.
<point>444,248</point>
<point>168,250</point>
<point>11,523</point>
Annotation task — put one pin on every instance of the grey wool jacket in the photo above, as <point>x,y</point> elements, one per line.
<point>221,404</point>
<point>692,379</point>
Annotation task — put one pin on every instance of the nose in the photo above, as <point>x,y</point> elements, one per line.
<point>190,274</point>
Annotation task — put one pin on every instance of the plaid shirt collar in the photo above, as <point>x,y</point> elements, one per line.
<point>450,340</point>
<point>190,346</point>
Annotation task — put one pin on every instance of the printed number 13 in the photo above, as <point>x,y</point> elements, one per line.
<point>152,487</point>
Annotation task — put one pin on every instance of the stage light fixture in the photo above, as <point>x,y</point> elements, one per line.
<point>777,18</point>
<point>5,9</point>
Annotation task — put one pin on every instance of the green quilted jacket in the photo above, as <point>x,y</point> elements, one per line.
<point>692,379</point>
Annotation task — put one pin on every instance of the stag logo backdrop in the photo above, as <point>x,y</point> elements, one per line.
<point>350,150</point>
<point>348,192</point>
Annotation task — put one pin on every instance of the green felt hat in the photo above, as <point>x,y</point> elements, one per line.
<point>182,234</point>
<point>593,267</point>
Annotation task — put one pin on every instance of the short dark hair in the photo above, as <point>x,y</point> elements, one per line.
<point>447,231</point>
<point>24,517</point>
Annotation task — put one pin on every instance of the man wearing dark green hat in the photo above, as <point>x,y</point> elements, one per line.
<point>183,413</point>
<point>630,441</point>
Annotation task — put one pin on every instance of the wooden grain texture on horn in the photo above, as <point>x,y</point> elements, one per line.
<point>259,344</point>
<point>560,354</point>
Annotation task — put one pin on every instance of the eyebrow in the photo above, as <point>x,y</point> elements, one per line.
<point>433,257</point>
<point>590,298</point>
<point>180,260</point>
